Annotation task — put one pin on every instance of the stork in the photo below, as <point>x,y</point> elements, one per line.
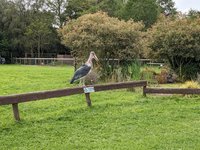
<point>84,69</point>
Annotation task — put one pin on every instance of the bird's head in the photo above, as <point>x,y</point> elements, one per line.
<point>93,56</point>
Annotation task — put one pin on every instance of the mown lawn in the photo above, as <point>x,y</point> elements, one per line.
<point>117,120</point>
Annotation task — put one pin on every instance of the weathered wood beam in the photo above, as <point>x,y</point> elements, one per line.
<point>20,98</point>
<point>171,91</point>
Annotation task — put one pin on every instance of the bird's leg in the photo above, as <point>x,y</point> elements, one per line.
<point>84,81</point>
<point>80,84</point>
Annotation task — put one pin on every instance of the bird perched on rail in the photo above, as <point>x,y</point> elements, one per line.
<point>84,69</point>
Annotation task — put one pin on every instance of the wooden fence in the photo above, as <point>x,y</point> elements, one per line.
<point>20,98</point>
<point>27,97</point>
<point>71,61</point>
<point>43,61</point>
<point>170,91</point>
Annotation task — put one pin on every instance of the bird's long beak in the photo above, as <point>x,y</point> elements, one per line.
<point>95,57</point>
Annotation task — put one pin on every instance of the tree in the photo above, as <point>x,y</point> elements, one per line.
<point>111,7</point>
<point>178,42</point>
<point>4,44</point>
<point>3,37</point>
<point>58,7</point>
<point>194,14</point>
<point>11,26</point>
<point>76,8</point>
<point>38,33</point>
<point>37,5</point>
<point>146,11</point>
<point>167,7</point>
<point>17,19</point>
<point>109,37</point>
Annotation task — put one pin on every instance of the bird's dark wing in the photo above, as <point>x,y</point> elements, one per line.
<point>81,72</point>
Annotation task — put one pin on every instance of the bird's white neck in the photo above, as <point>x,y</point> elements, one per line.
<point>89,62</point>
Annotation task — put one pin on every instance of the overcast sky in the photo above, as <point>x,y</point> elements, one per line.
<point>186,5</point>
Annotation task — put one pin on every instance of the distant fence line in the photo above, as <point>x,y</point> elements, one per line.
<point>70,61</point>
<point>43,61</point>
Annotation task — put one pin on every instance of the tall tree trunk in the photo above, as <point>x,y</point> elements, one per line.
<point>32,54</point>
<point>59,13</point>
<point>38,48</point>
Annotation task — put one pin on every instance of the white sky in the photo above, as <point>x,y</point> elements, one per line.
<point>186,5</point>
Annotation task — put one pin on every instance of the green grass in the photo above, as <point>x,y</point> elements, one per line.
<point>117,119</point>
<point>20,79</point>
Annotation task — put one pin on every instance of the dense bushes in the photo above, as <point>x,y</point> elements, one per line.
<point>174,39</point>
<point>109,37</point>
<point>177,40</point>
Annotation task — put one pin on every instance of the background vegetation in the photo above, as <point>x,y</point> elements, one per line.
<point>119,119</point>
<point>28,27</point>
<point>109,37</point>
<point>177,40</point>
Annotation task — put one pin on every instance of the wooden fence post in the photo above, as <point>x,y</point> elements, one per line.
<point>144,91</point>
<point>88,100</point>
<point>16,111</point>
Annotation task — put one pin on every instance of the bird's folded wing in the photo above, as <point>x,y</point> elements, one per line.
<point>81,72</point>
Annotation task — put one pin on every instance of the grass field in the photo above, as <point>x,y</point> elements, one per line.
<point>117,120</point>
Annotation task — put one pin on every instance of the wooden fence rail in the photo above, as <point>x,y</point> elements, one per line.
<point>171,91</point>
<point>43,61</point>
<point>27,97</point>
<point>71,61</point>
<point>20,98</point>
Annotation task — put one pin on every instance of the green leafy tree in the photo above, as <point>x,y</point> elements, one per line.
<point>111,7</point>
<point>38,33</point>
<point>17,18</point>
<point>11,26</point>
<point>167,7</point>
<point>146,11</point>
<point>4,44</point>
<point>58,8</point>
<point>194,14</point>
<point>76,8</point>
<point>178,42</point>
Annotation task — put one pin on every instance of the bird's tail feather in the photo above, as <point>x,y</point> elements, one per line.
<point>72,81</point>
